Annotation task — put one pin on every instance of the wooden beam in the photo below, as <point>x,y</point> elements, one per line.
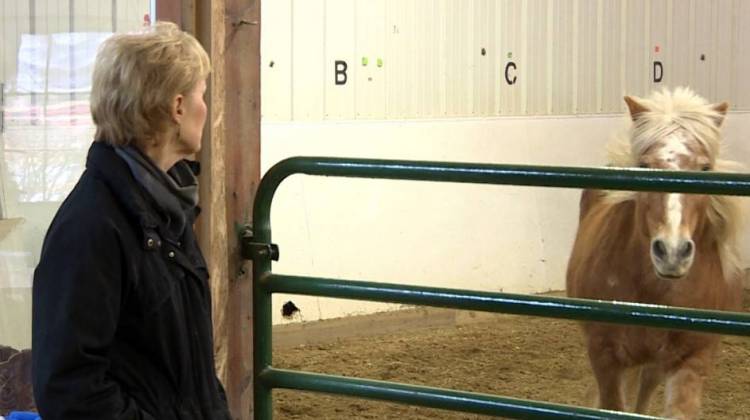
<point>181,12</point>
<point>169,10</point>
<point>211,226</point>
<point>188,15</point>
<point>230,159</point>
<point>242,72</point>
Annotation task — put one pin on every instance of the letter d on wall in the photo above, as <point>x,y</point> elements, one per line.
<point>658,71</point>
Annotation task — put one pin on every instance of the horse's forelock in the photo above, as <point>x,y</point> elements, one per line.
<point>670,111</point>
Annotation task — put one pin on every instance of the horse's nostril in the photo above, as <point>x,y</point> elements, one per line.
<point>659,249</point>
<point>686,249</point>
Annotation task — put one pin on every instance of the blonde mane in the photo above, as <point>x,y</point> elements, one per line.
<point>681,109</point>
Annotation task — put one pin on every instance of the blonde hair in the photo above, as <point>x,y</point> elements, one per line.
<point>137,75</point>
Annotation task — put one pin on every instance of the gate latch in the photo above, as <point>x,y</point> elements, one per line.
<point>252,250</point>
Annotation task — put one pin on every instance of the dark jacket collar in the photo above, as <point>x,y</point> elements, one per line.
<point>105,164</point>
<point>110,168</point>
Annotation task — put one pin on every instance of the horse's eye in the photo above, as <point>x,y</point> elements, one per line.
<point>706,168</point>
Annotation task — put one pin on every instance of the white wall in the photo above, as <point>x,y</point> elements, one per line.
<point>494,238</point>
<point>426,81</point>
<point>570,56</point>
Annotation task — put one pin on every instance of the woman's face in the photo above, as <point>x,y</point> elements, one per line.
<point>192,110</point>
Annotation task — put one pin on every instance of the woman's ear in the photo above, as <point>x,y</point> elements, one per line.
<point>178,104</point>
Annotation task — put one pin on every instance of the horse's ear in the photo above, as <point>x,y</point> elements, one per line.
<point>636,108</point>
<point>721,110</point>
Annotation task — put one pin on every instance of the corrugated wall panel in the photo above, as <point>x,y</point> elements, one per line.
<point>411,39</point>
<point>659,46</point>
<point>308,64</point>
<point>451,17</point>
<point>742,56</point>
<point>370,41</point>
<point>394,56</point>
<point>539,37</point>
<point>468,59</point>
<point>276,60</point>
<point>561,76</point>
<point>512,61</point>
<point>417,74</point>
<point>541,57</point>
<point>613,15</point>
<point>341,63</point>
<point>420,72</point>
<point>723,45</point>
<point>588,76</point>
<point>441,81</point>
<point>483,85</point>
<point>433,20</point>
<point>702,39</point>
<point>493,71</point>
<point>681,63</point>
<point>460,60</point>
<point>636,48</point>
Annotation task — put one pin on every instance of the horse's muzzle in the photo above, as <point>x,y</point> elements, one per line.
<point>672,259</point>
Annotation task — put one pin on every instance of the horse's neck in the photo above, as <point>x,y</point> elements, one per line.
<point>623,249</point>
<point>619,238</point>
<point>707,284</point>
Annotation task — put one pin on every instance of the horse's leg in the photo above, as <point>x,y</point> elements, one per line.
<point>685,386</point>
<point>651,376</point>
<point>608,372</point>
<point>684,389</point>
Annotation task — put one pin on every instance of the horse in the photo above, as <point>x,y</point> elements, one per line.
<point>658,248</point>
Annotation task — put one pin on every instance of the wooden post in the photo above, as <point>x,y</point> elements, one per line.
<point>169,10</point>
<point>230,160</point>
<point>242,112</point>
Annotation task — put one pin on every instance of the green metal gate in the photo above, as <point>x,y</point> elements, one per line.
<point>258,247</point>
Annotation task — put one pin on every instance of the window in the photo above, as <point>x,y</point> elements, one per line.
<point>47,51</point>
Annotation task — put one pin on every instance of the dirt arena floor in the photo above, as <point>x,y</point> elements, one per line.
<point>522,357</point>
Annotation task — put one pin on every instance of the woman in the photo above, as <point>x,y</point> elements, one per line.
<point>121,304</point>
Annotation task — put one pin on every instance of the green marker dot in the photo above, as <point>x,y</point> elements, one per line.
<point>365,61</point>
<point>380,62</point>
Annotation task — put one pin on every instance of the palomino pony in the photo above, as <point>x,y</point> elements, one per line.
<point>658,248</point>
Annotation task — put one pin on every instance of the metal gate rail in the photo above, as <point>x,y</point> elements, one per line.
<point>258,247</point>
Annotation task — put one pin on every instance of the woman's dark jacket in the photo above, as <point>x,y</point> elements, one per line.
<point>121,310</point>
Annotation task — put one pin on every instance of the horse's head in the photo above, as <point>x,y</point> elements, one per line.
<point>675,131</point>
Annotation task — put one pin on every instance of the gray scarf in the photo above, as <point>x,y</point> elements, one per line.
<point>175,192</point>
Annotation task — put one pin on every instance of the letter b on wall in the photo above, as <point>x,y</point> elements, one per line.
<point>340,69</point>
